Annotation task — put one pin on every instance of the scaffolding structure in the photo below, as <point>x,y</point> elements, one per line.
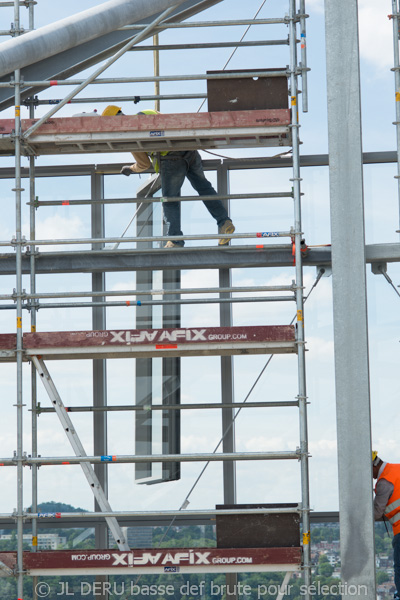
<point>22,138</point>
<point>80,135</point>
<point>396,56</point>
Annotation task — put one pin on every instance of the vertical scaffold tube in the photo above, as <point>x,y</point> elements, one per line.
<point>302,397</point>
<point>18,240</point>
<point>303,46</point>
<point>395,18</point>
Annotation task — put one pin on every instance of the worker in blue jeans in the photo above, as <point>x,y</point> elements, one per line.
<point>174,166</point>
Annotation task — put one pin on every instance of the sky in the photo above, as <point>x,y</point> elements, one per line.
<point>256,430</point>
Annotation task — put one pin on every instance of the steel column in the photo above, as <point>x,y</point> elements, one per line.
<point>349,297</point>
<point>100,439</point>
<point>228,427</point>
<point>227,394</point>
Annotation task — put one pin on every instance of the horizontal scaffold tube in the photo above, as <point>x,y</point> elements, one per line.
<point>148,407</point>
<point>160,292</point>
<point>111,240</point>
<point>155,199</point>
<point>161,513</point>
<point>154,458</point>
<point>134,303</point>
<point>75,30</point>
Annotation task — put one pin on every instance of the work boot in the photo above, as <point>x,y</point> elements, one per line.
<point>172,245</point>
<point>227,227</point>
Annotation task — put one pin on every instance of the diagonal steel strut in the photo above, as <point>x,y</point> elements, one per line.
<point>79,450</point>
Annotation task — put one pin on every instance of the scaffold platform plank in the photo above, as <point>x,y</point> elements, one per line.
<point>153,561</point>
<point>145,343</point>
<point>151,133</point>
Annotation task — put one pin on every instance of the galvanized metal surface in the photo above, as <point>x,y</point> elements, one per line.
<point>79,28</point>
<point>70,62</point>
<point>349,297</point>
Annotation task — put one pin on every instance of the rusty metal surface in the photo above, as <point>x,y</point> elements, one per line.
<point>281,530</point>
<point>247,93</point>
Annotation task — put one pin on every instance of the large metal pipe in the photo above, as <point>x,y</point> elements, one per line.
<point>75,30</point>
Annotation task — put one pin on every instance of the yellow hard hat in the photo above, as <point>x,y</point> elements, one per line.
<point>375,457</point>
<point>148,111</point>
<point>111,110</point>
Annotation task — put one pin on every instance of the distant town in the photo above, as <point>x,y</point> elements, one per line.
<point>325,556</point>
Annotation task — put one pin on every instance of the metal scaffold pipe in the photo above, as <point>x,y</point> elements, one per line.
<point>75,30</point>
<point>160,513</point>
<point>113,459</point>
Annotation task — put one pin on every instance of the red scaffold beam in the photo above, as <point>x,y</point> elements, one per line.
<point>151,133</point>
<point>155,123</point>
<point>160,560</point>
<point>200,341</point>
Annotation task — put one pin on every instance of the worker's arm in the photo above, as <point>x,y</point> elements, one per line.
<point>384,489</point>
<point>143,163</point>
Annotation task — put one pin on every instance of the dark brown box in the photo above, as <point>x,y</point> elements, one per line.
<point>247,93</point>
<point>276,530</point>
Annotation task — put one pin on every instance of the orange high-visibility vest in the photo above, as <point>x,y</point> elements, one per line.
<point>392,511</point>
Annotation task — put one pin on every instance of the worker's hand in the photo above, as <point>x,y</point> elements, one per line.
<point>126,170</point>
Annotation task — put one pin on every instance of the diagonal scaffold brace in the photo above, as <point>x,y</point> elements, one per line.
<point>79,450</point>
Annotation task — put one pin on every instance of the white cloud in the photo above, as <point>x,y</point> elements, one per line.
<point>57,227</point>
<point>267,444</point>
<point>192,443</point>
<point>376,33</point>
<point>323,448</point>
<point>315,6</point>
<point>321,348</point>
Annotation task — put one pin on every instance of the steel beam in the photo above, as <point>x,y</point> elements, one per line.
<point>357,546</point>
<point>67,63</point>
<point>181,520</point>
<point>307,160</point>
<point>246,257</point>
<point>75,30</point>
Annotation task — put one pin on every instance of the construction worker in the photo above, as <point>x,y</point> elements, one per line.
<point>387,505</point>
<point>174,166</point>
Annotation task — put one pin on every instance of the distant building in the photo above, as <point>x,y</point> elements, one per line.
<point>137,537</point>
<point>382,561</point>
<point>46,541</point>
